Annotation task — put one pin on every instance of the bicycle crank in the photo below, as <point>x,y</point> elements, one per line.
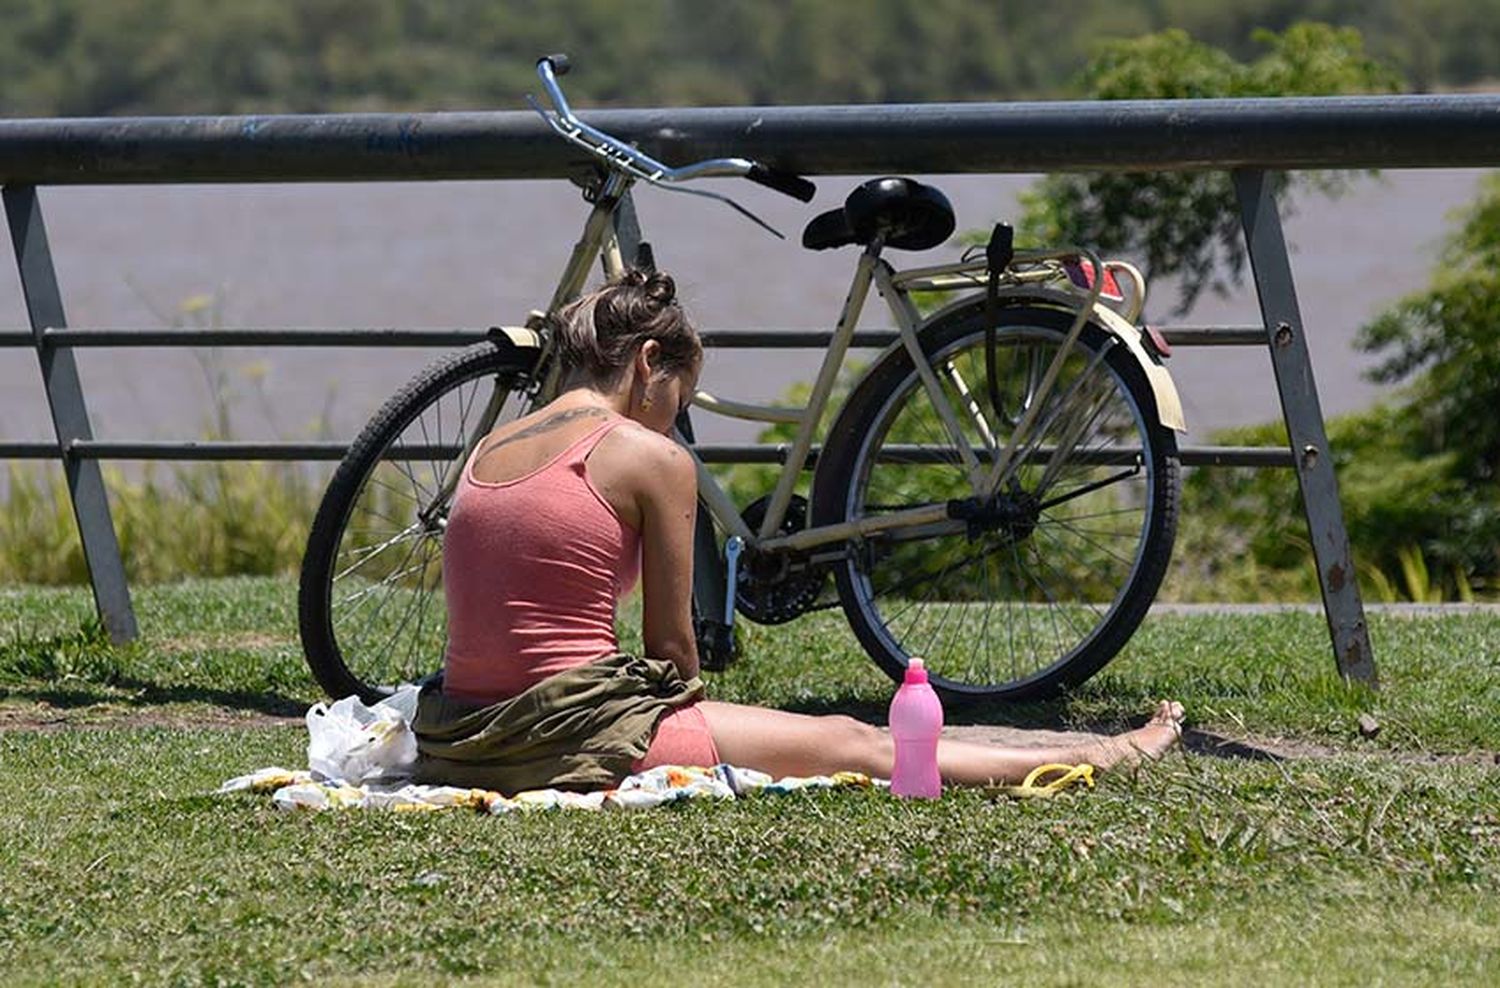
<point>775,587</point>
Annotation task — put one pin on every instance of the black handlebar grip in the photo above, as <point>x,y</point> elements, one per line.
<point>560,63</point>
<point>784,182</point>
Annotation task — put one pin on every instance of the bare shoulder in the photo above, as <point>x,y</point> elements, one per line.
<point>650,455</point>
<point>642,473</point>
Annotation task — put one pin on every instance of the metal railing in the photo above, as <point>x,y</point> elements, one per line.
<point>1246,137</point>
<point>284,450</point>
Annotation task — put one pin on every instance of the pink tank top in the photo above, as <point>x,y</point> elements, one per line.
<point>533,569</point>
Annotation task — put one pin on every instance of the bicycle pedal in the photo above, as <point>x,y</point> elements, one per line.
<point>717,649</point>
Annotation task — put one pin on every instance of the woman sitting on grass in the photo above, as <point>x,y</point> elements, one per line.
<point>556,516</point>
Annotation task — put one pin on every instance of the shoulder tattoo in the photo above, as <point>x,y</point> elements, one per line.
<point>547,424</point>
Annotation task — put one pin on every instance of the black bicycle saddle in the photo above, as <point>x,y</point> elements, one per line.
<point>910,215</point>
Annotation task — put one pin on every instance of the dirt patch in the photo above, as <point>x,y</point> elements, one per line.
<point>40,716</point>
<point>1207,743</point>
<point>99,716</point>
<point>1291,749</point>
<point>202,643</point>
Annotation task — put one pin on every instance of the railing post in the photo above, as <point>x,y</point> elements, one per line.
<point>628,233</point>
<point>70,417</point>
<point>1304,423</point>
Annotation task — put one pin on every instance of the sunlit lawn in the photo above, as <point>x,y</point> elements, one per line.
<point>1374,862</point>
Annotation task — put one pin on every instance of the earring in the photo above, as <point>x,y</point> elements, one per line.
<point>646,402</point>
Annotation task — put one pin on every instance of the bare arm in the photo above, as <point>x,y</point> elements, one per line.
<point>668,500</point>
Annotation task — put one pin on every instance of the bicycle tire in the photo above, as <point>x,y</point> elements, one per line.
<point>336,616</point>
<point>854,476</point>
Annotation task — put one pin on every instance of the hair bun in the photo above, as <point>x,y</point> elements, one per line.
<point>659,289</point>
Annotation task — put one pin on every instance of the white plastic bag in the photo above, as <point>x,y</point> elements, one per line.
<point>353,743</point>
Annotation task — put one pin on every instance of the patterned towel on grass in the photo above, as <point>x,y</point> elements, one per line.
<point>299,790</point>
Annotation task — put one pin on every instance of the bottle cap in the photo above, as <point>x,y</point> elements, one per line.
<point>916,671</point>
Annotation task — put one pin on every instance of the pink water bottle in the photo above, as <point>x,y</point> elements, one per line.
<point>916,722</point>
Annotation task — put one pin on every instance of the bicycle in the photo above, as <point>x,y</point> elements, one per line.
<point>998,493</point>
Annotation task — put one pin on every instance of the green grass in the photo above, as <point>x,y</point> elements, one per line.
<point>233,643</point>
<point>1370,863</point>
<point>164,882</point>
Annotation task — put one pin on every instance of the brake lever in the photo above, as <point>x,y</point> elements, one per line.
<point>726,201</point>
<point>549,116</point>
<point>573,136</point>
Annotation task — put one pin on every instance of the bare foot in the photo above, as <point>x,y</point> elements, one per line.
<point>1148,743</point>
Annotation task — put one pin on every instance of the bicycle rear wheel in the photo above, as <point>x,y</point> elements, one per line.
<point>370,605</point>
<point>1037,591</point>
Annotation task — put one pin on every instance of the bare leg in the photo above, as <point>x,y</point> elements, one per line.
<point>781,743</point>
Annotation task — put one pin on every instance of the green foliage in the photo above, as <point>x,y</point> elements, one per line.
<point>102,57</point>
<point>1418,477</point>
<point>84,653</point>
<point>216,519</point>
<point>747,482</point>
<point>1187,223</point>
<point>1446,342</point>
<point>1419,531</point>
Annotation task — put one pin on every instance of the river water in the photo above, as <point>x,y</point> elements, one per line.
<point>479,253</point>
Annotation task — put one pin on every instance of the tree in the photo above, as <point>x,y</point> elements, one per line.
<point>1419,477</point>
<point>1445,341</point>
<point>1186,223</point>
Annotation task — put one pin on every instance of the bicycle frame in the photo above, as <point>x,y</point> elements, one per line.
<point>622,167</point>
<point>895,287</point>
<point>598,240</point>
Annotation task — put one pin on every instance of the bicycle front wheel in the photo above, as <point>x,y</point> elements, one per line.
<point>1017,596</point>
<point>370,603</point>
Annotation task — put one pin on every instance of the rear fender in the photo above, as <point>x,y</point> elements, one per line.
<point>1168,402</point>
<point>515,337</point>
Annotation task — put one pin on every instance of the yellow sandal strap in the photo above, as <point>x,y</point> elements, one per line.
<point>1066,775</point>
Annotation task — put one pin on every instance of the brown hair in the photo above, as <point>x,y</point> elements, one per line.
<point>598,335</point>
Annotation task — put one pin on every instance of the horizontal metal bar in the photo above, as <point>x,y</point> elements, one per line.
<point>105,449</point>
<point>772,339</point>
<point>113,449</point>
<point>1448,131</point>
<point>1236,456</point>
<point>1214,335</point>
<point>381,337</point>
<point>1218,456</point>
<point>723,339</point>
<point>29,451</point>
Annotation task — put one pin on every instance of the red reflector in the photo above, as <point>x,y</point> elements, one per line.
<point>1158,342</point>
<point>1081,273</point>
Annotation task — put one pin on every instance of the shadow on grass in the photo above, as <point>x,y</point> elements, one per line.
<point>141,694</point>
<point>1212,745</point>
<point>82,668</point>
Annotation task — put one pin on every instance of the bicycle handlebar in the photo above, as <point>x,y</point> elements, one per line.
<point>623,157</point>
<point>787,183</point>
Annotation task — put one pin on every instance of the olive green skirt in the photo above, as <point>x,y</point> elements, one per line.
<point>580,729</point>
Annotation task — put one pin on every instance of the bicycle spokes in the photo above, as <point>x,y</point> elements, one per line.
<point>1023,577</point>
<point>386,607</point>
